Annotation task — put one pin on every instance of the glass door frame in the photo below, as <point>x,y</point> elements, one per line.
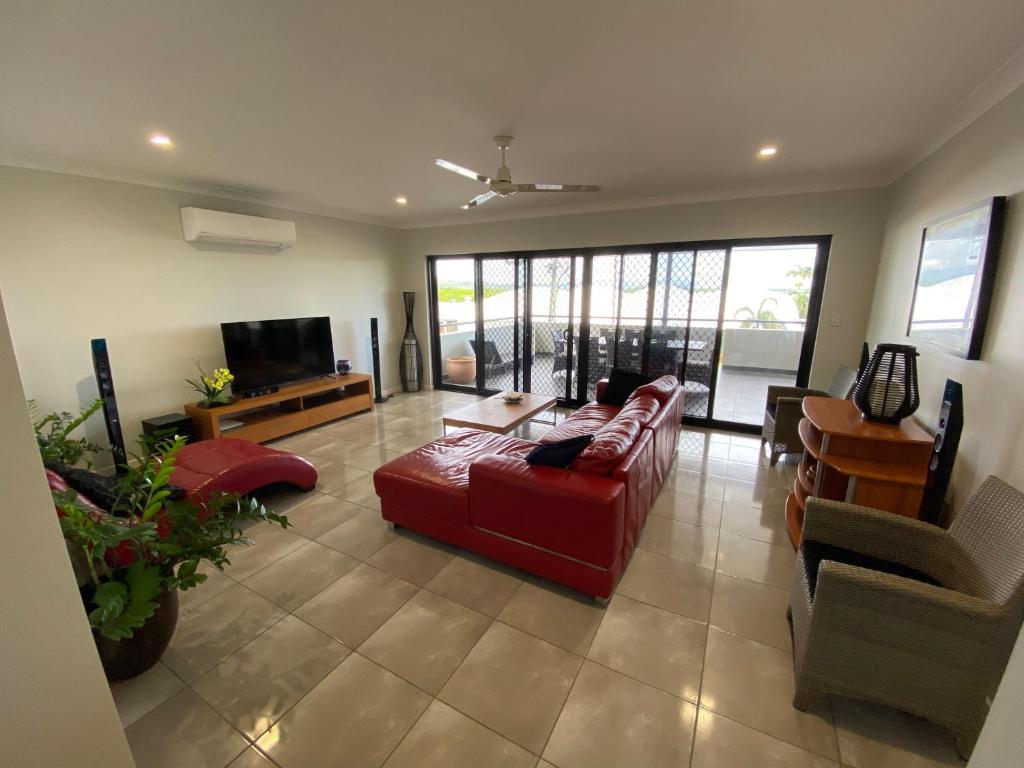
<point>580,357</point>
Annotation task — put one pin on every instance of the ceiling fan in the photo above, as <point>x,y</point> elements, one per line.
<point>501,185</point>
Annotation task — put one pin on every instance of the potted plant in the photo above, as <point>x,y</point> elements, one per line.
<point>462,369</point>
<point>53,435</point>
<point>213,387</point>
<point>133,558</point>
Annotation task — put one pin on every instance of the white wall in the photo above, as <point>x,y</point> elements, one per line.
<point>85,258</point>
<point>55,705</point>
<point>984,160</point>
<point>854,219</point>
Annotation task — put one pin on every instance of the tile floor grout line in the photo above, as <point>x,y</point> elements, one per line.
<point>704,661</point>
<point>436,697</point>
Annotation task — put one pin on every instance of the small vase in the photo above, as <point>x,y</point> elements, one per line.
<point>410,359</point>
<point>124,659</point>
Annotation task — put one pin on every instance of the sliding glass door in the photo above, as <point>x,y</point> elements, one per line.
<point>726,318</point>
<point>763,327</point>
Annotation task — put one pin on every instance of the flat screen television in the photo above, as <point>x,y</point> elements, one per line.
<point>267,353</point>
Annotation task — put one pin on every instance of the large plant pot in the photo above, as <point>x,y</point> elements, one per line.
<point>462,369</point>
<point>123,659</point>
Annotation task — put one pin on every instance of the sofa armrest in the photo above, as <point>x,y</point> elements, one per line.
<point>789,410</point>
<point>599,388</point>
<point>569,513</point>
<point>884,535</point>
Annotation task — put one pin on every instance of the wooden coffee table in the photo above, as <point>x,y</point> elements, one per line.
<point>496,415</point>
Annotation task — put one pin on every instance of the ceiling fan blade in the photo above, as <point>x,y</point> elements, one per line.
<point>479,200</point>
<point>463,171</point>
<point>558,187</point>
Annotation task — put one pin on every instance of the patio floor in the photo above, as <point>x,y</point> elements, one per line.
<point>739,397</point>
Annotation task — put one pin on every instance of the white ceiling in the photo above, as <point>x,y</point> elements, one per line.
<point>337,107</point>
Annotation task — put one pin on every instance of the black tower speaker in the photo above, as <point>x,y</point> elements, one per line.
<point>105,383</point>
<point>378,396</point>
<point>947,440</point>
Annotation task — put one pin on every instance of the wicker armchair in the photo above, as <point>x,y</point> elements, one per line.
<point>783,411</point>
<point>935,651</point>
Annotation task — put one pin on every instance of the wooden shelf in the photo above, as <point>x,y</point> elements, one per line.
<point>886,471</point>
<point>291,409</point>
<point>848,458</point>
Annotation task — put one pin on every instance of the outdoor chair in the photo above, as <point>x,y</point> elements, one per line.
<point>784,409</point>
<point>903,613</point>
<point>493,364</point>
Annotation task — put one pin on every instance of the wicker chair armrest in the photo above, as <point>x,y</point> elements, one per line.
<point>898,612</point>
<point>789,410</point>
<point>775,392</point>
<point>887,536</point>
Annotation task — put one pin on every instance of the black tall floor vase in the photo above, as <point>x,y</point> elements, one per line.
<point>410,359</point>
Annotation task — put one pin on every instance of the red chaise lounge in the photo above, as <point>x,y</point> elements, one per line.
<point>230,466</point>
<point>576,526</point>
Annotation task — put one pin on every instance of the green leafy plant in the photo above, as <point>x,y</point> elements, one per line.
<point>150,541</point>
<point>801,290</point>
<point>764,318</point>
<point>53,435</point>
<point>213,387</point>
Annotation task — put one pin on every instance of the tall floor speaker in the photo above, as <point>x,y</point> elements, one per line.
<point>378,395</point>
<point>105,383</point>
<point>947,440</point>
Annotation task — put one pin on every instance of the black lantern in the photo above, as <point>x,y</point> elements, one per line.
<point>887,389</point>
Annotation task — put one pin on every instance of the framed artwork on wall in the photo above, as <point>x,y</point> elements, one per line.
<point>956,272</point>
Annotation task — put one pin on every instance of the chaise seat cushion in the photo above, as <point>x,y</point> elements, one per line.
<point>616,438</point>
<point>237,466</point>
<point>435,477</point>
<point>584,421</point>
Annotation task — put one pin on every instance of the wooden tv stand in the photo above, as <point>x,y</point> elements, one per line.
<point>847,458</point>
<point>292,408</point>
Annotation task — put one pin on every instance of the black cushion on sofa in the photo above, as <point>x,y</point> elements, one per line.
<point>558,454</point>
<point>815,551</point>
<point>621,384</point>
<point>101,490</point>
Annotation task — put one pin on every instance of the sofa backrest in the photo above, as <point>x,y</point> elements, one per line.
<point>615,439</point>
<point>660,389</point>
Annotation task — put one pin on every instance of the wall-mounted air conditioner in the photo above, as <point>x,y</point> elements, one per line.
<point>200,225</point>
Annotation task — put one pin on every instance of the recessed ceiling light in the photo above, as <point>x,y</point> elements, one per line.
<point>161,140</point>
<point>401,200</point>
<point>768,151</point>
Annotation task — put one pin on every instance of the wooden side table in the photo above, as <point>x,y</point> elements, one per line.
<point>847,458</point>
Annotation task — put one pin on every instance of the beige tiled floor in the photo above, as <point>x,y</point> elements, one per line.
<point>342,643</point>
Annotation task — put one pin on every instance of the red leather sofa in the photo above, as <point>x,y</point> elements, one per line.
<point>577,526</point>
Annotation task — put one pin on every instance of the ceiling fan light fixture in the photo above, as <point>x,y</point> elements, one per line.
<point>768,150</point>
<point>501,184</point>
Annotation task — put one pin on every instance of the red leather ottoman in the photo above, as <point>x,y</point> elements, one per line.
<point>238,466</point>
<point>434,479</point>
